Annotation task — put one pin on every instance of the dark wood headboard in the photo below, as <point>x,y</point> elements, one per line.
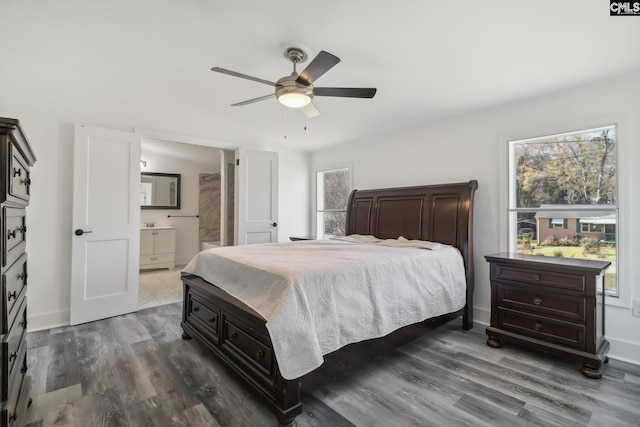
<point>439,213</point>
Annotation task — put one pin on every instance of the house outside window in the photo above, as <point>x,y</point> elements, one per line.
<point>564,189</point>
<point>332,195</point>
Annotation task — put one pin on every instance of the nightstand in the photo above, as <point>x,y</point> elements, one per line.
<point>551,304</point>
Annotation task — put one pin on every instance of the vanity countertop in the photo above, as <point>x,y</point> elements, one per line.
<point>158,227</point>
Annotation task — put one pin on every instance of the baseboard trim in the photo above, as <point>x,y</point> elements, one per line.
<point>624,351</point>
<point>482,316</point>
<point>39,322</point>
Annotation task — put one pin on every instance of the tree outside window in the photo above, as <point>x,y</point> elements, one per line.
<point>333,187</point>
<point>564,188</point>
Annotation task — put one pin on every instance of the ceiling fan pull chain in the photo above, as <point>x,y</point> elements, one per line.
<point>285,122</point>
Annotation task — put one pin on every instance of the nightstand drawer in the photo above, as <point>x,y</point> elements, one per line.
<point>568,281</point>
<point>542,303</point>
<point>550,330</point>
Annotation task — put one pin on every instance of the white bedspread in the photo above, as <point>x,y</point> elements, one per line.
<point>318,296</point>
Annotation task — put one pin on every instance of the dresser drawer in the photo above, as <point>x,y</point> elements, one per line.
<point>13,410</point>
<point>14,280</point>
<point>17,364</point>
<point>15,234</point>
<point>13,344</point>
<point>248,347</point>
<point>19,177</point>
<point>550,330</point>
<point>542,302</point>
<point>567,281</point>
<point>203,316</point>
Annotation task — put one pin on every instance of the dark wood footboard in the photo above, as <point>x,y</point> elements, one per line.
<point>237,335</point>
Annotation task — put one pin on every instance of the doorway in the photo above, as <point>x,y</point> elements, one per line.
<point>191,162</point>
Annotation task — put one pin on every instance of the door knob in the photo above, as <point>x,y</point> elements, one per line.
<point>275,224</point>
<point>80,232</point>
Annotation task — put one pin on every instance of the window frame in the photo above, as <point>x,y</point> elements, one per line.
<point>507,227</point>
<point>319,231</point>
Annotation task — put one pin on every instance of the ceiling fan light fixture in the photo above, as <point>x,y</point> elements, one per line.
<point>294,100</point>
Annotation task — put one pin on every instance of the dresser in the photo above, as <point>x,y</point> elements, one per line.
<point>551,304</point>
<point>157,247</point>
<point>16,157</point>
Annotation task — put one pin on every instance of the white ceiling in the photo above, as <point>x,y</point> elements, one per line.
<point>429,60</point>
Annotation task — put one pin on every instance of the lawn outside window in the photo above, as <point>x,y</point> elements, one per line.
<point>564,189</point>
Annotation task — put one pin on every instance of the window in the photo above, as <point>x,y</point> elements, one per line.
<point>564,187</point>
<point>590,227</point>
<point>332,195</point>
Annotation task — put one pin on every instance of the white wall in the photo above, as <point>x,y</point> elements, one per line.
<point>49,123</point>
<point>469,148</point>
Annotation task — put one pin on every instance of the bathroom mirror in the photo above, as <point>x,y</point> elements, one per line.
<point>159,190</point>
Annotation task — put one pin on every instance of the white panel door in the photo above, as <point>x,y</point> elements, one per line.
<point>257,197</point>
<point>106,224</point>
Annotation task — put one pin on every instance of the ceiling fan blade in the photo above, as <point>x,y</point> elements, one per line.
<point>310,110</point>
<point>323,62</point>
<point>251,101</point>
<point>242,76</point>
<point>347,92</point>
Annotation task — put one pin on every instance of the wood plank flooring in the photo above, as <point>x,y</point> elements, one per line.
<point>136,370</point>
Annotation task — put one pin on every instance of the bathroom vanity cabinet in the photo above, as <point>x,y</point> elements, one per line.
<point>157,247</point>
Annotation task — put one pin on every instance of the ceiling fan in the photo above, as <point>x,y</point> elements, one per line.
<point>298,90</point>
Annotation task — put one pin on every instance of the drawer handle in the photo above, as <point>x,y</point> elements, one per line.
<point>13,356</point>
<point>233,335</point>
<point>24,369</point>
<point>11,234</point>
<point>260,355</point>
<point>26,181</point>
<point>154,259</point>
<point>13,417</point>
<point>537,326</point>
<point>22,276</point>
<point>23,324</point>
<point>17,172</point>
<point>537,301</point>
<point>12,295</point>
<point>196,309</point>
<point>536,277</point>
<point>212,320</point>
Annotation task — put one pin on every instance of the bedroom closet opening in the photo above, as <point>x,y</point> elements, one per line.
<point>187,204</point>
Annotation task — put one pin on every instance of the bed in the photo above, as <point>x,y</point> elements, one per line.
<point>239,336</point>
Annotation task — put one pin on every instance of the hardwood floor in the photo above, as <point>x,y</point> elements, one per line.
<point>135,370</point>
